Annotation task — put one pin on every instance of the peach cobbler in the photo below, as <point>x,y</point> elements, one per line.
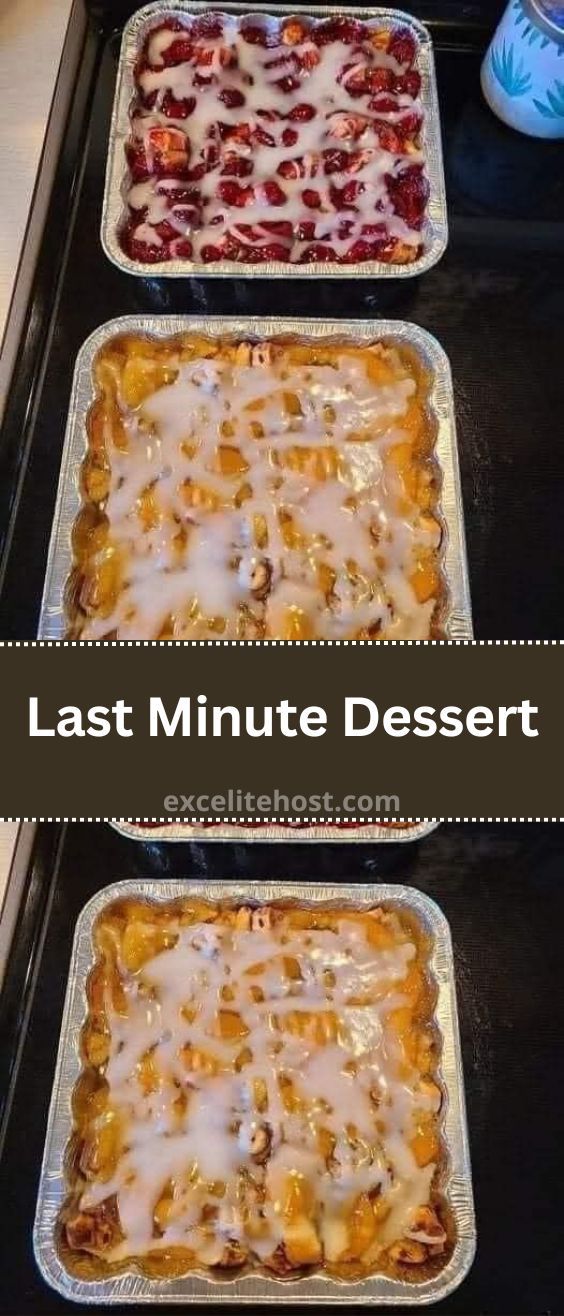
<point>252,490</point>
<point>259,1090</point>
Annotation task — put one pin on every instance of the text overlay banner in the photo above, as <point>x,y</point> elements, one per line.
<point>438,730</point>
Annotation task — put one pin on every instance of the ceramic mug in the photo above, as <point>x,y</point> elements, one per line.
<point>523,71</point>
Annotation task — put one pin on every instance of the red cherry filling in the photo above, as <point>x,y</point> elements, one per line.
<point>237,166</point>
<point>148,99</point>
<point>235,132</point>
<point>374,230</point>
<point>359,251</point>
<point>174,109</point>
<point>139,249</point>
<point>309,59</point>
<point>197,172</point>
<point>187,215</point>
<point>402,45</point>
<point>260,255</point>
<point>165,231</point>
<point>344,197</point>
<point>179,52</point>
<point>388,138</point>
<point>232,97</point>
<point>408,84</point>
<point>203,57</point>
<point>258,35</point>
<point>410,193</point>
<point>409,125</point>
<point>230,247</point>
<point>347,30</point>
<point>203,80</point>
<point>306,231</point>
<point>210,253</point>
<point>383,104</point>
<point>288,84</point>
<point>335,162</point>
<point>318,251</point>
<point>302,113</point>
<point>210,155</point>
<point>207,28</point>
<point>182,249</point>
<point>180,195</point>
<point>354,79</point>
<point>380,80</point>
<point>137,162</point>
<point>273,193</point>
<point>262,138</point>
<point>233,195</point>
<point>291,169</point>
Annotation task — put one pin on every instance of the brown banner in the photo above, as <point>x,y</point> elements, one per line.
<point>283,731</point>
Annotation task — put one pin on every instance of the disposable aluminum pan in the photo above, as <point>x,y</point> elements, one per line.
<point>131,1287</point>
<point>222,831</point>
<point>457,622</point>
<point>435,231</point>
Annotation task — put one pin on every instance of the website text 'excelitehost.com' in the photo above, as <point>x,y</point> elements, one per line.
<point>238,802</point>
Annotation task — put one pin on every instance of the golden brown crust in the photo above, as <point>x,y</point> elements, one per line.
<point>128,934</point>
<point>132,365</point>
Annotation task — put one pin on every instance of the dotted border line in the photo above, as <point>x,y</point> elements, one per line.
<point>227,644</point>
<point>310,822</point>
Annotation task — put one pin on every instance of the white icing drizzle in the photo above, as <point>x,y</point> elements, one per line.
<point>281,152</point>
<point>346,1069</point>
<point>313,503</point>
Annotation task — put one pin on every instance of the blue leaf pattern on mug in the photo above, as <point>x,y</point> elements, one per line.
<point>555,107</point>
<point>510,72</point>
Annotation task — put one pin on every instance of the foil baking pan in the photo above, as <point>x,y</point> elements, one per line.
<point>435,231</point>
<point>271,831</point>
<point>457,619</point>
<point>132,1287</point>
